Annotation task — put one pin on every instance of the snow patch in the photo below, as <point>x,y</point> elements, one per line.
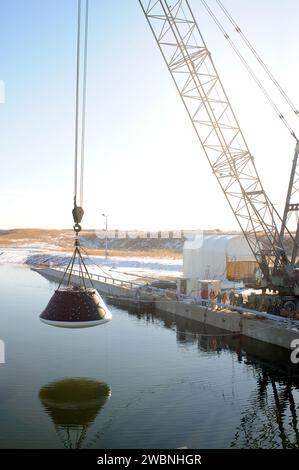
<point>122,268</point>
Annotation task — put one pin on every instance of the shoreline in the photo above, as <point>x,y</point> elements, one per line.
<point>157,254</point>
<point>265,330</point>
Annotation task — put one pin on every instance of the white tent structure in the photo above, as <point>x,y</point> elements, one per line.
<point>208,256</point>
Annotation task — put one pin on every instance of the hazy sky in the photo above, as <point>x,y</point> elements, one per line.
<point>144,165</point>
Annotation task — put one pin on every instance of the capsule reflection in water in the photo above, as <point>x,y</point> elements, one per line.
<point>73,405</point>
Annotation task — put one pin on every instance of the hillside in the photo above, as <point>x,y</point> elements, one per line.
<point>62,240</point>
<point>94,242</point>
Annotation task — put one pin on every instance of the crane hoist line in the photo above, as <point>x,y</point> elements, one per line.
<point>249,69</point>
<point>258,58</point>
<point>196,79</point>
<point>77,304</point>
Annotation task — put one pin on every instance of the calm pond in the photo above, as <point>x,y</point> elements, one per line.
<point>140,381</point>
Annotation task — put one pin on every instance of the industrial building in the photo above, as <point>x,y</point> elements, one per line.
<point>227,258</point>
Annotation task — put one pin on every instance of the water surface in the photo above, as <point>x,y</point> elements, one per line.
<point>140,381</point>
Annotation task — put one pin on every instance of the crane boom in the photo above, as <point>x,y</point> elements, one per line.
<point>193,71</point>
<point>291,204</point>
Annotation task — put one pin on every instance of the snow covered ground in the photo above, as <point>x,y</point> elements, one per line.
<point>133,268</point>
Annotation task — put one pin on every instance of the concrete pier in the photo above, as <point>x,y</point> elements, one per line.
<point>268,331</point>
<point>277,333</point>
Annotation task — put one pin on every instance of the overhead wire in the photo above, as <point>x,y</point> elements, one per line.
<point>96,264</point>
<point>258,57</point>
<point>107,274</point>
<point>272,79</point>
<point>250,70</point>
<point>266,70</point>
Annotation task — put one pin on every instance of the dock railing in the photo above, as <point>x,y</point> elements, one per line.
<point>168,294</point>
<point>105,279</point>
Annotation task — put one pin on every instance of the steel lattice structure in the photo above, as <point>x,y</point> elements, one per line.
<point>191,66</point>
<point>292,205</point>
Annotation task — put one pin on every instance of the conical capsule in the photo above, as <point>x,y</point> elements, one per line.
<point>76,307</point>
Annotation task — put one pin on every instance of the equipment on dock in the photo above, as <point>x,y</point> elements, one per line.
<point>198,287</point>
<point>193,71</point>
<point>163,284</point>
<point>78,305</point>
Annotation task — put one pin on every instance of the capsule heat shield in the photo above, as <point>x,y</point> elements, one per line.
<point>75,307</point>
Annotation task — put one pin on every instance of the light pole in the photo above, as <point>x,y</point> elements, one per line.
<point>106,238</point>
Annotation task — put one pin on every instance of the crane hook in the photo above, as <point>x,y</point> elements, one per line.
<point>78,213</point>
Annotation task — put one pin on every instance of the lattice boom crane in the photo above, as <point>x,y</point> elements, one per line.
<point>193,71</point>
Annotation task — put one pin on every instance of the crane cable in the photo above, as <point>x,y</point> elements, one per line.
<point>258,57</point>
<point>84,104</point>
<point>78,211</point>
<point>79,169</point>
<point>77,104</point>
<point>250,71</point>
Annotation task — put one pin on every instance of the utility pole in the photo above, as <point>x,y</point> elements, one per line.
<point>106,237</point>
